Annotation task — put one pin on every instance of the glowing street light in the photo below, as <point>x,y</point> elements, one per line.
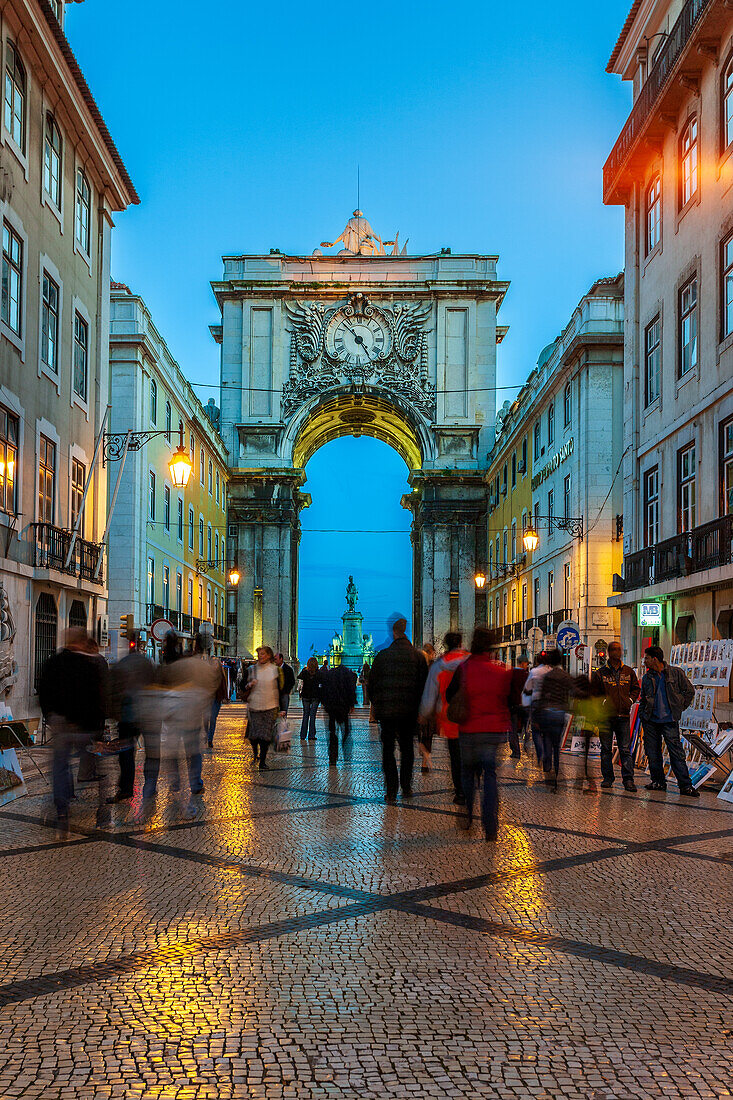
<point>180,465</point>
<point>234,576</point>
<point>480,581</point>
<point>530,539</point>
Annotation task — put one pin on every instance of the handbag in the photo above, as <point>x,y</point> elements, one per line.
<point>458,709</point>
<point>283,736</point>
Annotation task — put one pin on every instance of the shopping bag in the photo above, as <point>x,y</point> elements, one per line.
<point>283,736</point>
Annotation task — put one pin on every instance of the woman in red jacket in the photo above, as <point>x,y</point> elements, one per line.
<point>485,686</point>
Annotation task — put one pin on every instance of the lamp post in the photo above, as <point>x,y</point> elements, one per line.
<point>480,581</point>
<point>530,539</point>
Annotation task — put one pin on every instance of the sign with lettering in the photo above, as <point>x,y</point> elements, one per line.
<point>650,614</point>
<point>549,468</point>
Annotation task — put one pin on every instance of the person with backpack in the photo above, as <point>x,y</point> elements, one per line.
<point>433,706</point>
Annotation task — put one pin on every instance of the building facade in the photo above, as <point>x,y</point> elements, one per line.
<point>672,170</point>
<point>167,546</point>
<point>556,464</point>
<point>366,340</point>
<point>61,181</point>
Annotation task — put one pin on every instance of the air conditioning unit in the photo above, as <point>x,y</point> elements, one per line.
<point>522,466</point>
<point>232,531</point>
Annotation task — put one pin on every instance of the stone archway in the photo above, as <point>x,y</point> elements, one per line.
<point>402,348</point>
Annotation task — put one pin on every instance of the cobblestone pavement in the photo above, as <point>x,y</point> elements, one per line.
<point>287,934</point>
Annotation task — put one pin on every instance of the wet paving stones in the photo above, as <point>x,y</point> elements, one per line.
<point>287,935</point>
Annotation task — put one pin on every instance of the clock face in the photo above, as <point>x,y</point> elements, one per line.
<point>358,340</point>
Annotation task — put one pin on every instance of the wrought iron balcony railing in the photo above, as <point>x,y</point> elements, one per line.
<point>709,546</point>
<point>51,551</point>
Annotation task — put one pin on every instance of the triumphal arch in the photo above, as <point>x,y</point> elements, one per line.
<point>360,338</point>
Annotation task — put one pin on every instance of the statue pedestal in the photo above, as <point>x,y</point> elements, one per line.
<point>353,647</point>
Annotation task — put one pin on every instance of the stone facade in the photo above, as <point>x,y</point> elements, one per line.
<point>61,181</point>
<point>399,347</point>
<point>672,170</point>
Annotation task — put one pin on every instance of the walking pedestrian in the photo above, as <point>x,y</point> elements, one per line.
<point>433,704</point>
<point>263,702</point>
<point>665,693</point>
<point>483,686</point>
<point>620,688</point>
<point>364,681</point>
<point>554,703</point>
<point>520,675</point>
<point>201,650</point>
<point>396,684</point>
<point>127,680</point>
<point>338,695</point>
<point>426,726</point>
<point>72,693</point>
<point>189,684</point>
<point>531,700</point>
<point>288,683</point>
<point>310,681</point>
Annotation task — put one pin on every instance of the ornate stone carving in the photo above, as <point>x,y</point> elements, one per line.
<point>8,665</point>
<point>399,367</point>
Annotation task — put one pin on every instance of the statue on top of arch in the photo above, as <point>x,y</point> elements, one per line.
<point>359,239</point>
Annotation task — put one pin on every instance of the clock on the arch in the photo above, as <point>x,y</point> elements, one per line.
<point>358,337</point>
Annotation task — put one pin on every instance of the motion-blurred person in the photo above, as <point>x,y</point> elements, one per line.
<point>433,704</point>
<point>665,693</point>
<point>554,704</point>
<point>127,681</point>
<point>72,694</point>
<point>590,717</point>
<point>364,681</point>
<point>484,686</point>
<point>189,684</point>
<point>218,682</point>
<point>310,688</point>
<point>619,686</point>
<point>288,682</point>
<point>396,685</point>
<point>426,727</point>
<point>338,695</point>
<point>520,675</point>
<point>263,704</point>
<point>531,699</point>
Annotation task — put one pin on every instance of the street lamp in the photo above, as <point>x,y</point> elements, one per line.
<point>480,580</point>
<point>234,576</point>
<point>180,465</point>
<point>117,444</point>
<point>530,539</point>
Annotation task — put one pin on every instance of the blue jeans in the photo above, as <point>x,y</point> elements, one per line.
<point>308,725</point>
<point>670,731</point>
<point>478,753</point>
<point>552,724</point>
<point>211,729</point>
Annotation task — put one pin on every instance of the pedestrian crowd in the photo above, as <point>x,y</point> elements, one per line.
<point>467,697</point>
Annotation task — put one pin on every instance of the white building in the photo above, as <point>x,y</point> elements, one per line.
<point>672,170</point>
<point>61,181</point>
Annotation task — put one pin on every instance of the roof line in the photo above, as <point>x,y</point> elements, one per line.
<point>623,36</point>
<point>63,44</point>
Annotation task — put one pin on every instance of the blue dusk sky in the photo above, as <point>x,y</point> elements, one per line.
<point>482,127</point>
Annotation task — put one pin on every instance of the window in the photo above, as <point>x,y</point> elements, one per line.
<point>151,495</point>
<point>566,498</point>
<point>82,211</point>
<point>211,478</point>
<point>50,323</point>
<point>218,484</point>
<point>168,421</point>
<point>14,96</point>
<point>653,214</point>
<point>12,285</point>
<point>151,580</point>
<point>536,608</point>
<point>551,505</point>
<point>688,162</point>
<point>524,456</point>
<point>514,540</point>
<point>537,439</point>
<point>505,617</point>
<point>201,600</point>
<point>78,479</point>
<point>688,327</point>
<point>727,105</point>
<point>491,614</point>
<point>46,480</point>
<point>201,536</point>
<point>179,592</point>
<point>551,424</point>
<point>566,585</point>
<point>652,355</point>
<point>166,587</point>
<point>9,425</point>
<point>491,558</point>
<point>153,401</point>
<point>81,356</point>
<point>216,606</point>
<point>202,466</point>
<point>514,605</point>
<point>77,615</point>
<point>496,610</point>
<point>506,546</point>
<point>726,466</point>
<point>686,488</point>
<point>550,592</point>
<point>190,529</point>
<point>180,520</point>
<point>726,270</point>
<point>209,556</point>
<point>651,507</point>
<point>216,549</point>
<point>190,595</point>
<point>524,602</point>
<point>208,602</point>
<point>567,405</point>
<point>537,515</point>
<point>504,480</point>
<point>46,627</point>
<point>514,470</point>
<point>52,161</point>
<point>166,507</point>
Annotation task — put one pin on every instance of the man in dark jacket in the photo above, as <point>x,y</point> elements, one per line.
<point>665,693</point>
<point>338,696</point>
<point>288,682</point>
<point>619,686</point>
<point>72,693</point>
<point>396,683</point>
<point>127,680</point>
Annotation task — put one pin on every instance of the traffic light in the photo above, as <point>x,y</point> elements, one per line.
<point>127,626</point>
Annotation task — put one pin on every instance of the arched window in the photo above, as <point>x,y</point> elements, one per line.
<point>77,615</point>
<point>208,543</point>
<point>727,105</point>
<point>688,162</point>
<point>216,549</point>
<point>46,625</point>
<point>653,213</point>
<point>52,161</point>
<point>168,420</point>
<point>153,401</point>
<point>211,477</point>
<point>83,211</point>
<point>15,87</point>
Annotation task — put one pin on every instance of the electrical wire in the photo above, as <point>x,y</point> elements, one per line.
<point>262,389</point>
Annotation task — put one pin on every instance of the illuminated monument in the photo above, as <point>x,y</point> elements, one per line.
<point>352,647</point>
<point>364,340</point>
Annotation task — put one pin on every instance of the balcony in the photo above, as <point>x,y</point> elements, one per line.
<point>659,92</point>
<point>709,546</point>
<point>51,549</point>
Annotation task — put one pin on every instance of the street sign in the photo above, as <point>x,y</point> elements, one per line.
<point>160,628</point>
<point>579,651</point>
<point>206,628</point>
<point>568,636</point>
<point>535,638</point>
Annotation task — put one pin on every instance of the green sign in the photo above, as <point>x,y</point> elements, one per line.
<point>650,614</point>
